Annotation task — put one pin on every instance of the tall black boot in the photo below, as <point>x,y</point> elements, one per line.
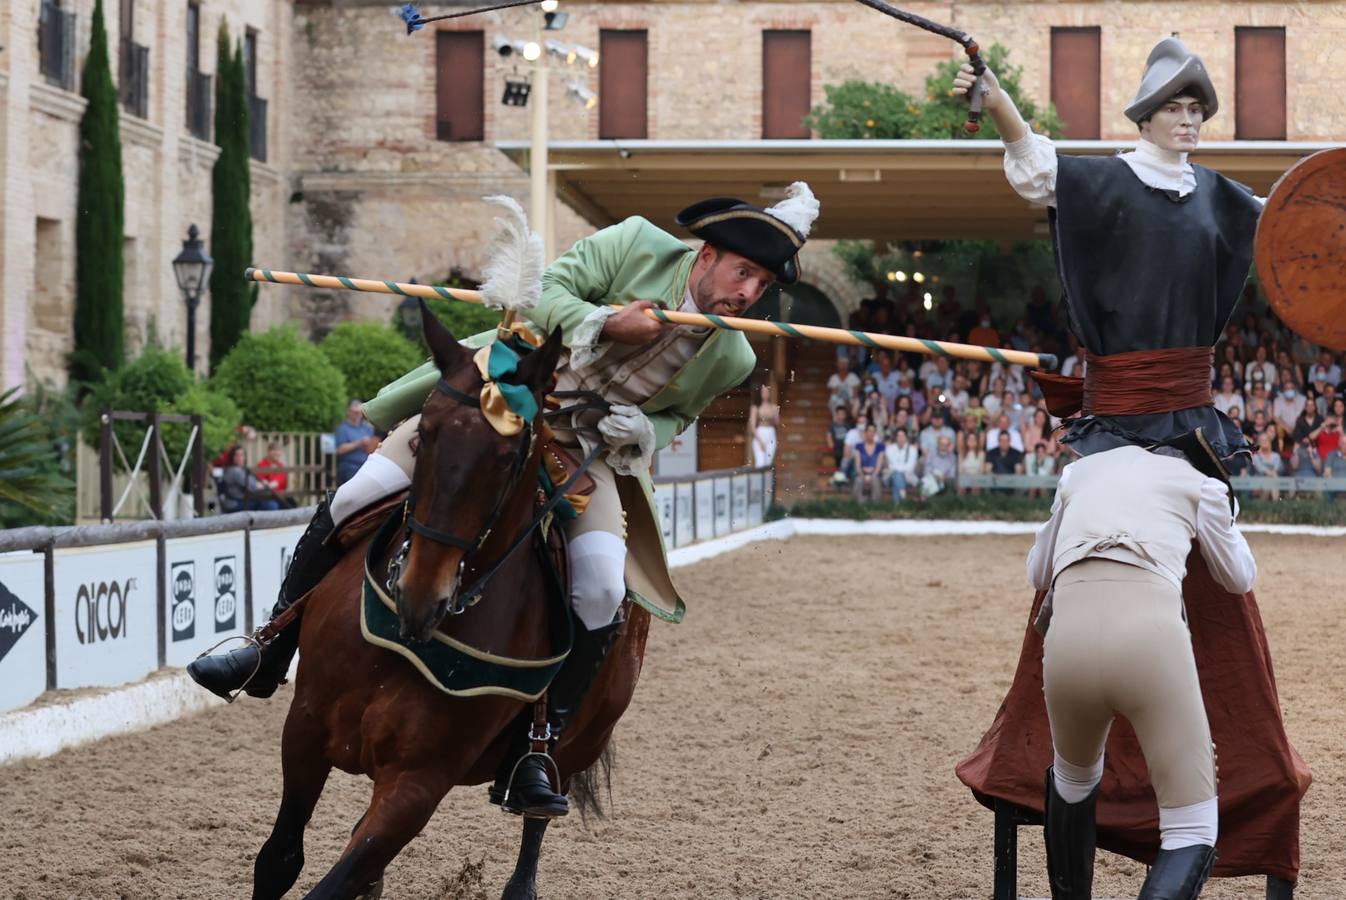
<point>223,674</point>
<point>1178,874</point>
<point>1070,835</point>
<point>523,784</point>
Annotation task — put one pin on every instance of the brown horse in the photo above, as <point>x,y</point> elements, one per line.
<point>367,710</point>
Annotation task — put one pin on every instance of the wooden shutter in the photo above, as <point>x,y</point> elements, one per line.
<point>460,83</point>
<point>623,83</point>
<point>787,62</point>
<point>1075,80</point>
<point>1259,78</point>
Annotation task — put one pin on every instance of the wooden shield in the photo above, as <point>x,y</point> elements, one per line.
<point>1301,248</point>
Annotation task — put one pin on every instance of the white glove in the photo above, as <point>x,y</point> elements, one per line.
<point>630,435</point>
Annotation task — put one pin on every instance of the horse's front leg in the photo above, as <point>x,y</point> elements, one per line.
<point>522,885</point>
<point>402,804</point>
<point>304,768</point>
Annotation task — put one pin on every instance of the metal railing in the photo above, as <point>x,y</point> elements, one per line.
<point>134,78</point>
<point>199,104</point>
<point>1241,483</point>
<point>257,124</point>
<point>56,45</point>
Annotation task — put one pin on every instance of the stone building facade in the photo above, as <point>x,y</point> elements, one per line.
<point>357,182</point>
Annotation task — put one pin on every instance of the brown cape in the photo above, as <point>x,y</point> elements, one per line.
<point>1260,777</point>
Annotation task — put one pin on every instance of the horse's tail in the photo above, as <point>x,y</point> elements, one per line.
<point>587,787</point>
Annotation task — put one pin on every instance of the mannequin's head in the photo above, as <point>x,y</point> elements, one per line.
<point>1176,124</point>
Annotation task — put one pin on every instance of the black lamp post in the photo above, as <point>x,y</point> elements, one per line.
<point>191,268</point>
<point>409,311</point>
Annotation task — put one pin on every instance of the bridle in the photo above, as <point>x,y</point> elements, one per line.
<point>466,599</point>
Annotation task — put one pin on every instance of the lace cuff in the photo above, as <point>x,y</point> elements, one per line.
<point>1030,166</point>
<point>586,348</point>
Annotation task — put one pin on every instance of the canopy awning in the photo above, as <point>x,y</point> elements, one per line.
<point>900,190</point>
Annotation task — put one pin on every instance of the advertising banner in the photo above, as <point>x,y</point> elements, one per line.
<point>203,593</point>
<point>23,633</point>
<point>721,506</point>
<point>679,457</point>
<point>704,492</point>
<point>663,504</point>
<point>755,511</point>
<point>738,502</point>
<point>106,620</point>
<point>272,549</point>
<point>683,523</point>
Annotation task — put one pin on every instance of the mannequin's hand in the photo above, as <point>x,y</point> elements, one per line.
<point>994,97</point>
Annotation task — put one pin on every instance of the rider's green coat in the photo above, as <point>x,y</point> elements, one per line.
<point>634,260</point>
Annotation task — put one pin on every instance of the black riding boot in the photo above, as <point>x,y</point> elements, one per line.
<point>523,785</point>
<point>1070,837</point>
<point>224,673</point>
<point>1178,874</point>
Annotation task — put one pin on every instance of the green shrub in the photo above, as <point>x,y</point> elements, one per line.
<point>152,383</point>
<point>282,383</point>
<point>220,419</point>
<point>36,486</point>
<point>369,355</point>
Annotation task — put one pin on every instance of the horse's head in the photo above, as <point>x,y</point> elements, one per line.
<point>465,476</point>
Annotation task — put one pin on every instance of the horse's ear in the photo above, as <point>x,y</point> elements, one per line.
<point>535,370</point>
<point>448,354</point>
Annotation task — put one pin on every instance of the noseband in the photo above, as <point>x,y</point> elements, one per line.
<point>467,599</point>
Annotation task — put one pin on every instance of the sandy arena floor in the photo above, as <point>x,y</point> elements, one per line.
<point>794,738</point>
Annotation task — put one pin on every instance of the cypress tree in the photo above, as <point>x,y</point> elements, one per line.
<point>231,298</point>
<point>99,218</point>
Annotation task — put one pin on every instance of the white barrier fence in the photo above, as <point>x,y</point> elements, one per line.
<point>706,505</point>
<point>105,605</point>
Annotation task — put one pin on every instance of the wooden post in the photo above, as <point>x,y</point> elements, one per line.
<point>199,466</point>
<point>105,466</point>
<point>154,471</point>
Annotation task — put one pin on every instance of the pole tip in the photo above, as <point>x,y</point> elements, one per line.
<point>1047,361</point>
<point>249,274</point>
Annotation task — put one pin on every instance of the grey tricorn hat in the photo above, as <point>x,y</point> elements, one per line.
<point>1172,69</point>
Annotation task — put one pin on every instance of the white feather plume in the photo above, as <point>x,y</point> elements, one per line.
<point>512,278</point>
<point>799,208</point>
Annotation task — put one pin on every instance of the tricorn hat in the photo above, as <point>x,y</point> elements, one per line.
<point>1172,69</point>
<point>769,237</point>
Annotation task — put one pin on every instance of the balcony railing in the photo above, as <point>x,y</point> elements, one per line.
<point>134,78</point>
<point>199,104</point>
<point>257,123</point>
<point>56,45</point>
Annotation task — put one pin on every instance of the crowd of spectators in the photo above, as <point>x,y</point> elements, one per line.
<point>905,425</point>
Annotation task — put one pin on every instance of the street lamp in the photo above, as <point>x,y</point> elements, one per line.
<point>191,268</point>
<point>409,312</point>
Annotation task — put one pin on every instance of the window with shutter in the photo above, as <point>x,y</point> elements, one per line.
<point>1259,84</point>
<point>460,82</point>
<point>787,58</point>
<point>623,83</point>
<point>1075,80</point>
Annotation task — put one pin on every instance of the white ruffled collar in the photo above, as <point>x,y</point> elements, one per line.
<point>1166,170</point>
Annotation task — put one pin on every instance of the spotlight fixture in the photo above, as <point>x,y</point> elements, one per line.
<point>918,277</point>
<point>589,56</point>
<point>900,276</point>
<point>548,6</point>
<point>531,51</point>
<point>516,92</point>
<point>560,50</point>
<point>581,93</point>
<point>555,21</point>
<point>928,304</point>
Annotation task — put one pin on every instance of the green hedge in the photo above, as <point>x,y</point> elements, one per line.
<point>220,419</point>
<point>281,382</point>
<point>369,355</point>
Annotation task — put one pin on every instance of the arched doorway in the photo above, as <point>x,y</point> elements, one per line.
<point>802,304</point>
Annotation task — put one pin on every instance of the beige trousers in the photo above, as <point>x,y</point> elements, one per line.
<point>596,540</point>
<point>1118,644</point>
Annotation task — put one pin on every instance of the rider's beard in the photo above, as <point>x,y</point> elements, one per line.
<point>708,302</point>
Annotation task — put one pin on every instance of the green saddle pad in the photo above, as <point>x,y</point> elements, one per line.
<point>449,664</point>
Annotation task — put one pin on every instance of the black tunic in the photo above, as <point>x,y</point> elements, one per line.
<point>1144,269</point>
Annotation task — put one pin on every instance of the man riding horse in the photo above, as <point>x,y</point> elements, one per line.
<point>657,379</point>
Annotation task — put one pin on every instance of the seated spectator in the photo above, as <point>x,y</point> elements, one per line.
<point>992,399</point>
<point>1267,463</point>
<point>853,437</point>
<point>1286,369</point>
<point>875,409</point>
<point>1330,436</point>
<point>836,435</point>
<point>1227,397</point>
<point>1334,464</point>
<point>903,421</point>
<point>1304,462</point>
<point>1039,430</point>
<point>983,334</point>
<point>887,379</point>
<point>355,440</point>
<point>1011,376</point>
<point>1230,357</point>
<point>1287,406</point>
<point>243,433</point>
<point>270,470</point>
<point>902,461</point>
<point>971,460</point>
<point>957,397</point>
<point>241,490</point>
<point>1257,397</point>
<point>977,411</point>
<point>939,469</point>
<point>1327,398</point>
<point>1325,371</point>
<point>1002,424</point>
<point>1260,369</point>
<point>1003,459</point>
<point>1039,463</point>
<point>1308,426</point>
<point>932,434</point>
<point>844,386</point>
<point>1074,359</point>
<point>870,462</point>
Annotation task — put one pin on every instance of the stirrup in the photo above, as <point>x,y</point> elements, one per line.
<point>249,640</point>
<point>549,764</point>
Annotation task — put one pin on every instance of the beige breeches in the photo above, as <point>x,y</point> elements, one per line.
<point>1118,644</point>
<point>597,539</point>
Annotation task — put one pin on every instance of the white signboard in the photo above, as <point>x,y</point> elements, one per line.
<point>684,494</point>
<point>106,617</point>
<point>755,511</point>
<point>679,457</point>
<point>663,505</point>
<point>271,550</point>
<point>23,633</point>
<point>721,506</point>
<point>203,593</point>
<point>705,509</point>
<point>738,502</point>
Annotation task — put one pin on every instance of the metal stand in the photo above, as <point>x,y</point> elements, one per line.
<point>1008,818</point>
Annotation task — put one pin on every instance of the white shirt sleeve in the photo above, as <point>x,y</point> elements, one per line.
<point>1222,544</point>
<point>1030,166</point>
<point>1042,555</point>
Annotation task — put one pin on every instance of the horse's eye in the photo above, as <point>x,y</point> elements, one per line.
<point>415,443</point>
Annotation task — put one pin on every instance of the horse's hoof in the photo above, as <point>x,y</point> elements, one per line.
<point>520,889</point>
<point>373,892</point>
